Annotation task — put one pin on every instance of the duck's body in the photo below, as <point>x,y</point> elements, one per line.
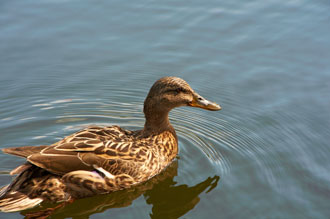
<point>101,159</point>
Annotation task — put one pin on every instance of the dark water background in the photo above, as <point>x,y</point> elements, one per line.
<point>65,65</point>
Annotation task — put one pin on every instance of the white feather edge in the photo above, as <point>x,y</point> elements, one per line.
<point>10,204</point>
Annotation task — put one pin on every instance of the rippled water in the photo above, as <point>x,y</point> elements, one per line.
<point>69,64</point>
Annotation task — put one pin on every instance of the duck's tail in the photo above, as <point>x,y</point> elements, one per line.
<point>32,186</point>
<point>13,200</point>
<point>16,201</point>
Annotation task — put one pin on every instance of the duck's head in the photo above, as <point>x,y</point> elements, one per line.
<point>170,92</point>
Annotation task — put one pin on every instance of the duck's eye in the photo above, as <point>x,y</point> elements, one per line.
<point>176,91</point>
<point>179,90</point>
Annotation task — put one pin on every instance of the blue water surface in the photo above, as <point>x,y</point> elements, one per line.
<point>67,64</point>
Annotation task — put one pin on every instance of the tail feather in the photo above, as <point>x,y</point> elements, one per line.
<point>12,200</point>
<point>20,169</point>
<point>32,186</point>
<point>16,183</point>
<point>24,151</point>
<point>3,191</point>
<point>16,201</point>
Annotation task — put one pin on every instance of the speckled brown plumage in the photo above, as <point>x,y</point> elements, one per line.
<point>99,160</point>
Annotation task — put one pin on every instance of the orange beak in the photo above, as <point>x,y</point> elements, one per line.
<point>201,102</point>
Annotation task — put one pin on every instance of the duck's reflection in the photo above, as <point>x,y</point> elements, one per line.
<point>168,199</point>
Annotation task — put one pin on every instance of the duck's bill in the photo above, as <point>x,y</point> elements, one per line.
<point>201,102</point>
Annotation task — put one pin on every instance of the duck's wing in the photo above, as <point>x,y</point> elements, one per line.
<point>91,165</point>
<point>94,146</point>
<point>63,161</point>
<point>56,159</point>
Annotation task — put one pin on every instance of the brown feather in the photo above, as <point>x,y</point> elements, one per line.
<point>20,168</point>
<point>58,164</point>
<point>24,151</point>
<point>17,201</point>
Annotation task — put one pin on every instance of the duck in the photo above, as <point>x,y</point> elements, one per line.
<point>100,160</point>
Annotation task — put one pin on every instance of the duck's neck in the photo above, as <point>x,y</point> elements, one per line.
<point>157,120</point>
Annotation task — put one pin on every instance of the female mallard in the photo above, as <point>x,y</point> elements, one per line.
<point>101,159</point>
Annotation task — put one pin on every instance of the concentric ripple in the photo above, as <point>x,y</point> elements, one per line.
<point>200,131</point>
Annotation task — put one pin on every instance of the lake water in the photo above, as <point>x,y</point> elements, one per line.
<point>65,65</point>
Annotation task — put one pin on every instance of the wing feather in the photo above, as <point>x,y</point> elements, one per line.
<point>24,151</point>
<point>80,146</point>
<point>59,163</point>
<point>98,146</point>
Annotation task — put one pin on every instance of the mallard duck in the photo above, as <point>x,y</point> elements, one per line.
<point>100,160</point>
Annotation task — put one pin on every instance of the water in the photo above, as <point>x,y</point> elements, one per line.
<point>69,64</point>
